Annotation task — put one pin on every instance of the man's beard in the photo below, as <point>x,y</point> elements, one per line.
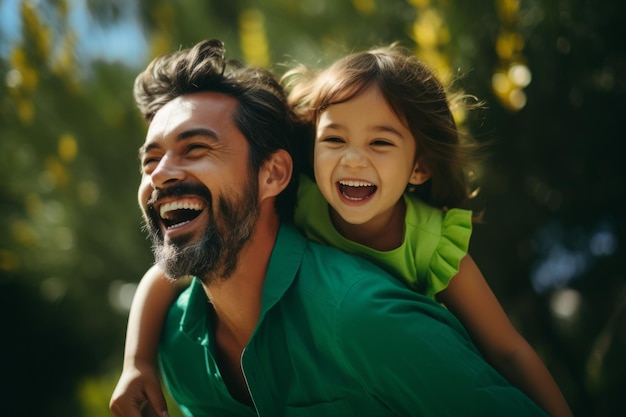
<point>215,254</point>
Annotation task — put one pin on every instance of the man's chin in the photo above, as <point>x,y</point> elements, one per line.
<point>182,257</point>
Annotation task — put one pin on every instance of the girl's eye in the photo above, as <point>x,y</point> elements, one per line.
<point>382,142</point>
<point>332,139</point>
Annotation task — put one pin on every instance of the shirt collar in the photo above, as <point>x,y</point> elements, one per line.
<point>283,267</point>
<point>281,272</point>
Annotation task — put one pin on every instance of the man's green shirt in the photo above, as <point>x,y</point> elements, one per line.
<point>337,336</point>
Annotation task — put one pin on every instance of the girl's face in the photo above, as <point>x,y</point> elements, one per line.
<point>364,157</point>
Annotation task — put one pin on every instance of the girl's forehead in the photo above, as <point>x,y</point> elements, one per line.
<point>354,90</point>
<point>339,92</point>
<point>368,108</point>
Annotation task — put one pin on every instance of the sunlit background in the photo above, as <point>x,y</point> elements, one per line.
<point>551,72</point>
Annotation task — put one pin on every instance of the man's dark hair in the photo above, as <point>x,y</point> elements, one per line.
<point>262,115</point>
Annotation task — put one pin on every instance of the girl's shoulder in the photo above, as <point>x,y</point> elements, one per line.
<point>422,216</point>
<point>439,240</point>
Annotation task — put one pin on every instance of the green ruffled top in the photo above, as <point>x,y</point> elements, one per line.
<point>434,241</point>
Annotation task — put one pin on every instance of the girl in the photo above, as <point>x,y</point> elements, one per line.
<point>391,185</point>
<point>392,180</point>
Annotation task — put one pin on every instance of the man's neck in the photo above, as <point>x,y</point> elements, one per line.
<point>237,304</point>
<point>237,299</point>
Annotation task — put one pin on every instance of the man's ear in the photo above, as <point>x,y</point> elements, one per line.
<point>275,174</point>
<point>420,174</point>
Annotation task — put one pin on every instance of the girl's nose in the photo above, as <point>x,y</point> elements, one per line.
<point>354,158</point>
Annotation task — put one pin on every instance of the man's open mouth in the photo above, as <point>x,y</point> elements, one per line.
<point>356,190</point>
<point>180,212</point>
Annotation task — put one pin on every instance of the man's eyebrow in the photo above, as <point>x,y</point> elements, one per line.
<point>187,134</point>
<point>199,131</point>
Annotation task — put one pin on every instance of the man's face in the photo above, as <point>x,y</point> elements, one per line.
<point>198,196</point>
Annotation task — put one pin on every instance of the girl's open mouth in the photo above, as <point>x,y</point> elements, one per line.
<point>356,190</point>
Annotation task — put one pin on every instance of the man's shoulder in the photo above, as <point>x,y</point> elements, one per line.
<point>325,258</point>
<point>338,262</point>
<point>190,304</point>
<point>331,273</point>
<point>365,300</point>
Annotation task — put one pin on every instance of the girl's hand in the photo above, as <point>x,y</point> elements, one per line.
<point>138,394</point>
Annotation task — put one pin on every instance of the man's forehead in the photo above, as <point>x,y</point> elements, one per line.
<point>171,114</point>
<point>207,109</point>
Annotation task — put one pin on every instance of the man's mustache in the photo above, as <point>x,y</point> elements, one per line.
<point>179,190</point>
<point>151,216</point>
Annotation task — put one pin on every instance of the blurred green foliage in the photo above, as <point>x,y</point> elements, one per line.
<point>71,246</point>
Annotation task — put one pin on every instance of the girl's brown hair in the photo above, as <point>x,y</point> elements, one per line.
<point>416,95</point>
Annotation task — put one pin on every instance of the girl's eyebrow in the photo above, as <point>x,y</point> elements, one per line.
<point>377,128</point>
<point>187,134</point>
<point>386,128</point>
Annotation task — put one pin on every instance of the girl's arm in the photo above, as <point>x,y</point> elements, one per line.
<point>139,384</point>
<point>471,300</point>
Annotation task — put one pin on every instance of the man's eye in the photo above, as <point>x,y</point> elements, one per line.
<point>149,161</point>
<point>197,147</point>
<point>148,165</point>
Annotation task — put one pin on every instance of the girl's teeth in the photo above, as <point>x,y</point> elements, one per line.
<point>350,183</point>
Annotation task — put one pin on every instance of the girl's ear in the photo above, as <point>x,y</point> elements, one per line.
<point>420,174</point>
<point>275,174</point>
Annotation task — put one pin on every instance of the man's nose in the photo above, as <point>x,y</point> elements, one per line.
<point>167,171</point>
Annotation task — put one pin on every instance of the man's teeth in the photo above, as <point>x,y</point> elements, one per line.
<point>167,208</point>
<point>178,225</point>
<point>351,183</point>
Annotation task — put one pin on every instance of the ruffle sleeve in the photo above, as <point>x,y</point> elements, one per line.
<point>456,229</point>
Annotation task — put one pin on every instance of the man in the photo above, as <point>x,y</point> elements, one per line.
<point>291,328</point>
